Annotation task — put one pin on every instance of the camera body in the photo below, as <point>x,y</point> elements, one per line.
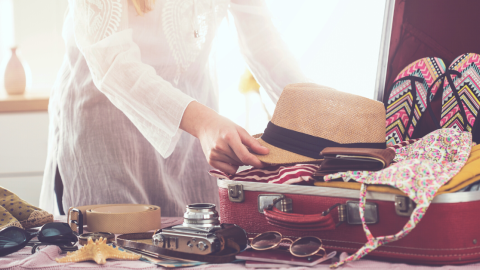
<point>201,233</point>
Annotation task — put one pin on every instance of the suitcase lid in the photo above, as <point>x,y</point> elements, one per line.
<point>415,29</point>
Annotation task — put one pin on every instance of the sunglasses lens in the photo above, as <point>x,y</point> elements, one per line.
<point>266,240</point>
<point>54,229</point>
<point>56,233</point>
<point>306,246</point>
<point>12,237</point>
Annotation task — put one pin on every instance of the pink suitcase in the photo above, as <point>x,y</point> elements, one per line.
<point>449,233</point>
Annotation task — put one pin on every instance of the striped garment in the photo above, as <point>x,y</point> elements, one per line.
<point>300,174</point>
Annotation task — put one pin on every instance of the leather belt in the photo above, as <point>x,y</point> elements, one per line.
<point>115,218</point>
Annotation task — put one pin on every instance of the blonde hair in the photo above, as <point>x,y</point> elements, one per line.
<point>143,6</point>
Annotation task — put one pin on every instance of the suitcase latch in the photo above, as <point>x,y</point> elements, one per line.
<point>350,213</point>
<point>404,206</point>
<point>268,201</point>
<point>235,193</point>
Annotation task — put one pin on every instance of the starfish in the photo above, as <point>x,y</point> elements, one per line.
<point>97,251</point>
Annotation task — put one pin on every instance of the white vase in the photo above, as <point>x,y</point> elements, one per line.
<point>15,78</point>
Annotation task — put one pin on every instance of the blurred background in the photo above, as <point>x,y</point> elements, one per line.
<point>335,41</point>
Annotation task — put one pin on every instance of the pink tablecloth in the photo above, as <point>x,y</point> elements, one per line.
<point>45,259</point>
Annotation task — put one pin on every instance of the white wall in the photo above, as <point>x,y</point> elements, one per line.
<point>336,42</point>
<point>35,27</point>
<point>6,34</point>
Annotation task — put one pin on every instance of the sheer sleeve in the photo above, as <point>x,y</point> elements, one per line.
<point>265,52</point>
<point>153,105</point>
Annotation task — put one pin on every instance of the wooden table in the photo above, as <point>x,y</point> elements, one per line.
<point>28,102</point>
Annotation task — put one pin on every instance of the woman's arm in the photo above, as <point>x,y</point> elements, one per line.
<point>153,105</point>
<point>223,142</point>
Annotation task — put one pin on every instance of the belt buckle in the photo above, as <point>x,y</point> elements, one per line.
<point>76,221</point>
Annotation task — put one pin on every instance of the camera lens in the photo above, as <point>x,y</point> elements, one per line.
<point>201,206</point>
<point>201,214</point>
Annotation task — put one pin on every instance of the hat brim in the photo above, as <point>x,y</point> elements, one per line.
<point>278,156</point>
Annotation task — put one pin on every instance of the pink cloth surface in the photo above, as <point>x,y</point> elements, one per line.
<point>45,260</point>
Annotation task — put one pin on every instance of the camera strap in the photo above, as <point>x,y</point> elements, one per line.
<point>115,218</point>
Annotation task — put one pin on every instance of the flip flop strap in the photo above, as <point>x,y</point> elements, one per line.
<point>448,75</point>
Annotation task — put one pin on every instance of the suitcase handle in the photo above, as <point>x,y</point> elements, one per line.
<point>299,222</point>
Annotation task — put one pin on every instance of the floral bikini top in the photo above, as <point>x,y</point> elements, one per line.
<point>421,169</point>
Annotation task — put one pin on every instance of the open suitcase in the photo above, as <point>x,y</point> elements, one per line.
<point>449,233</point>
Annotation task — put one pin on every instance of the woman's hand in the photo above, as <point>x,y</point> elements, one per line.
<point>224,143</point>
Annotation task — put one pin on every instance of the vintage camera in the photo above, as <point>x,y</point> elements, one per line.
<point>201,233</point>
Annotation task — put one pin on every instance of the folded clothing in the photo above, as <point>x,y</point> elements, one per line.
<point>469,174</point>
<point>300,174</point>
<point>14,209</point>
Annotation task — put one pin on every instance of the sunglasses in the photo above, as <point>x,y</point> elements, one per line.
<point>302,247</point>
<point>13,239</point>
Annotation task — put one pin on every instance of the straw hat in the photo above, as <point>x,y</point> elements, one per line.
<point>309,117</point>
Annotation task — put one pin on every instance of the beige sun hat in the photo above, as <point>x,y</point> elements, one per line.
<point>309,117</point>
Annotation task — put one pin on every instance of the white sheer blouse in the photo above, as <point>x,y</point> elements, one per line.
<point>121,92</point>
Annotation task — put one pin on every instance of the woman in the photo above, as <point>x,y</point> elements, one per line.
<point>136,73</point>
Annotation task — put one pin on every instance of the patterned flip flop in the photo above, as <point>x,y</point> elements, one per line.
<point>466,92</point>
<point>408,97</point>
